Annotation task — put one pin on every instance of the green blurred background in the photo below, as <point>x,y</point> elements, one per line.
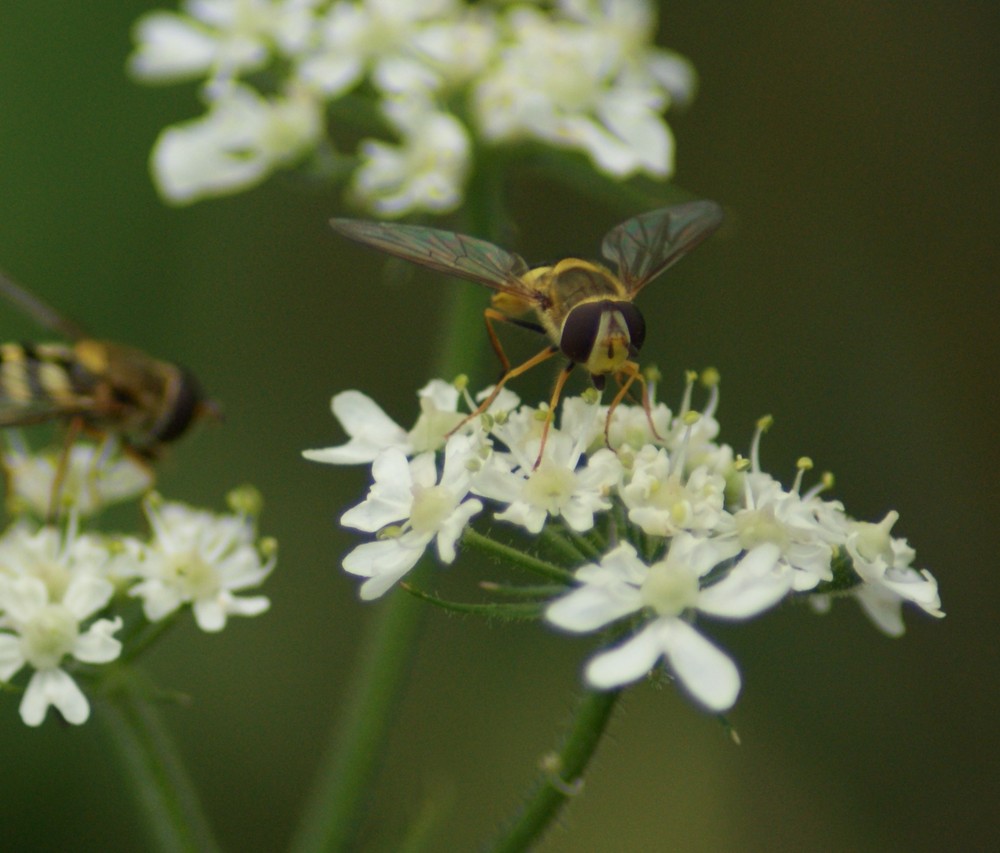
<point>851,294</point>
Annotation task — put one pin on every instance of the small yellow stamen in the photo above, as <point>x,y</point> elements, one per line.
<point>710,377</point>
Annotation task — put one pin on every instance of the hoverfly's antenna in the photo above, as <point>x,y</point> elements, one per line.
<point>42,313</point>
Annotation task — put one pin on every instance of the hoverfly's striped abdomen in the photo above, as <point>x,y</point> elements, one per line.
<point>39,376</point>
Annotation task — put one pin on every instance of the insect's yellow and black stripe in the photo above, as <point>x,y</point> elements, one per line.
<point>31,374</point>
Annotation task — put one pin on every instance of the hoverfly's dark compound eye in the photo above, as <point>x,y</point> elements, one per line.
<point>580,330</point>
<point>181,410</point>
<point>636,325</point>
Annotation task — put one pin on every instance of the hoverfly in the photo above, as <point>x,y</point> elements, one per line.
<point>583,307</point>
<point>97,386</point>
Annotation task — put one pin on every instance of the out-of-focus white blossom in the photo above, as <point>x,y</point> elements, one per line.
<point>201,559</point>
<point>92,477</point>
<point>51,584</point>
<point>426,170</point>
<point>241,140</point>
<point>446,75</point>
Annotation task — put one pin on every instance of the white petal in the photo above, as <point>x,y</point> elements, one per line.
<point>752,586</point>
<point>627,662</point>
<point>390,498</point>
<point>209,614</point>
<point>247,605</point>
<point>243,569</point>
<point>441,395</point>
<point>642,130</point>
<point>11,656</point>
<point>383,563</point>
<point>608,152</point>
<point>706,671</point>
<point>86,594</point>
<point>97,645</point>
<point>590,607</point>
<point>531,518</point>
<point>919,587</point>
<point>158,600</point>
<point>23,597</point>
<point>331,73</point>
<point>452,529</point>
<point>883,607</point>
<point>170,47</point>
<point>370,430</point>
<point>674,73</point>
<point>579,516</point>
<point>53,687</point>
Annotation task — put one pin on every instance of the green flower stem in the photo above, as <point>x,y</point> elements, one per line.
<point>556,541</point>
<point>337,806</point>
<point>507,554</point>
<point>530,610</point>
<point>562,776</point>
<point>150,765</point>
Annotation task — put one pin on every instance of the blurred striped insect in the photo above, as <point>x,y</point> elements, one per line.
<point>583,307</point>
<point>95,386</point>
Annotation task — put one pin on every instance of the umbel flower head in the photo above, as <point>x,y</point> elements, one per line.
<point>664,528</point>
<point>439,80</point>
<point>67,595</point>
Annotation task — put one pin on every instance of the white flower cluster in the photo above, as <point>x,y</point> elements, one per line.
<point>64,591</point>
<point>445,75</point>
<point>688,527</point>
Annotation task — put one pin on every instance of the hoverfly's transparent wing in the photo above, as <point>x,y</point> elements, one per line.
<point>444,251</point>
<point>42,313</point>
<point>646,245</point>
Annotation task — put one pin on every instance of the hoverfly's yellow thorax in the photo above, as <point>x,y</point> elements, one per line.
<point>93,355</point>
<point>515,306</point>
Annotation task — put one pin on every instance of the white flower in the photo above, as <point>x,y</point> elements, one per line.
<point>630,27</point>
<point>569,85</point>
<point>360,38</point>
<point>457,50</point>
<point>408,495</point>
<point>218,38</point>
<point>629,426</point>
<point>240,140</point>
<point>771,514</point>
<point>200,558</point>
<point>370,430</point>
<point>662,500</point>
<point>425,171</point>
<point>558,486</point>
<point>52,556</point>
<point>42,628</point>
<point>883,563</point>
<point>669,590</point>
<point>93,478</point>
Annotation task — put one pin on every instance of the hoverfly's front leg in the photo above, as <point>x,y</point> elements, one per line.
<point>625,376</point>
<point>492,314</point>
<point>553,402</point>
<point>513,372</point>
<point>489,315</point>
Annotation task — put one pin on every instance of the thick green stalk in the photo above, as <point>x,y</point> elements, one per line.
<point>151,767</point>
<point>336,810</point>
<point>338,804</point>
<point>561,777</point>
